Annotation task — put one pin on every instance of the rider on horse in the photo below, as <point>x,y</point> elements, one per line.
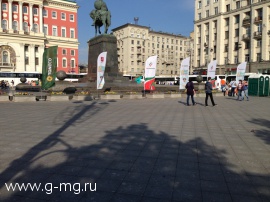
<point>100,6</point>
<point>101,16</point>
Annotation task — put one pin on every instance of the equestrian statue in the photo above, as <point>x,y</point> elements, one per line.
<point>101,16</point>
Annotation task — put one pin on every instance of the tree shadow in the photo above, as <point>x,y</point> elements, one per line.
<point>130,163</point>
<point>263,134</point>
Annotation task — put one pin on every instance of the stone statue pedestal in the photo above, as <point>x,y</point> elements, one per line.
<point>199,86</point>
<point>62,85</point>
<point>97,45</point>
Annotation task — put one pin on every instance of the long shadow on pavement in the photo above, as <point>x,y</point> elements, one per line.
<point>130,163</point>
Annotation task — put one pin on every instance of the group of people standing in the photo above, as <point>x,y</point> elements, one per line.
<point>208,92</point>
<point>240,88</point>
<point>6,85</point>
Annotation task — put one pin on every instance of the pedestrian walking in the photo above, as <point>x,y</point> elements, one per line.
<point>208,92</point>
<point>223,86</point>
<point>190,92</point>
<point>12,83</point>
<point>233,86</point>
<point>245,90</point>
<point>239,90</point>
<point>226,89</point>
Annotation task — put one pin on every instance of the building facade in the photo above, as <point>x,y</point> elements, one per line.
<point>135,43</point>
<point>231,32</point>
<point>28,27</point>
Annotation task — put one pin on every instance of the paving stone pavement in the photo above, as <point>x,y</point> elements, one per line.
<point>136,150</point>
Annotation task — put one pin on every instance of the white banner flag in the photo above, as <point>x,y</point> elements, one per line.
<point>184,73</point>
<point>241,70</point>
<point>101,64</point>
<point>150,73</point>
<point>211,70</point>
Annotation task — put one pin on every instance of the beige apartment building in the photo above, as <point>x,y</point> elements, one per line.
<point>135,43</point>
<point>231,32</point>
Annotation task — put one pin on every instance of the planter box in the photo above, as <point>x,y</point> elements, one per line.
<point>200,95</point>
<point>160,95</point>
<point>24,98</point>
<point>83,97</point>
<point>43,97</point>
<point>110,97</point>
<point>60,97</point>
<point>133,96</point>
<point>4,98</point>
<point>218,94</point>
<point>172,95</point>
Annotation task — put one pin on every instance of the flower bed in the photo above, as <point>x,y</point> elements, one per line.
<point>83,96</point>
<point>85,93</point>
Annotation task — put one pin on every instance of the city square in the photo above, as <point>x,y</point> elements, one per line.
<point>94,101</point>
<point>136,150</point>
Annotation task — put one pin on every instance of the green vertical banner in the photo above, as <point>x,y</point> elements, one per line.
<point>49,67</point>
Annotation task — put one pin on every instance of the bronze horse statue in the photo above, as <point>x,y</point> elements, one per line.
<point>101,16</point>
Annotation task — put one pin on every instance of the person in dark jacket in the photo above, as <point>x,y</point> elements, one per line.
<point>190,92</point>
<point>208,92</point>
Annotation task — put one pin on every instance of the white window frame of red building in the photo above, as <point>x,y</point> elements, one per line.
<point>72,52</point>
<point>35,28</point>
<point>63,16</point>
<point>71,17</point>
<point>15,8</point>
<point>54,17</point>
<point>64,51</point>
<point>35,11</point>
<point>25,27</point>
<point>63,32</point>
<point>72,33</point>
<point>45,13</point>
<point>72,63</point>
<point>45,29</point>
<point>54,28</point>
<point>4,24</point>
<point>4,6</point>
<point>15,25</point>
<point>64,62</point>
<point>25,9</point>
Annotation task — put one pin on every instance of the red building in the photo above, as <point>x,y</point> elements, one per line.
<point>28,27</point>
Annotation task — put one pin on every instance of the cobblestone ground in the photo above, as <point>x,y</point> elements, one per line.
<point>136,150</point>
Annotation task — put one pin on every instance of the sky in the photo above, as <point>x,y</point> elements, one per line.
<point>171,16</point>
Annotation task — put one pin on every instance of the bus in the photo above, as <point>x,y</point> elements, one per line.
<point>166,80</point>
<point>16,76</point>
<point>33,76</point>
<point>231,77</point>
<point>74,77</point>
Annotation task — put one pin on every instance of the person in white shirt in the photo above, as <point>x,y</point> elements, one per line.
<point>233,86</point>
